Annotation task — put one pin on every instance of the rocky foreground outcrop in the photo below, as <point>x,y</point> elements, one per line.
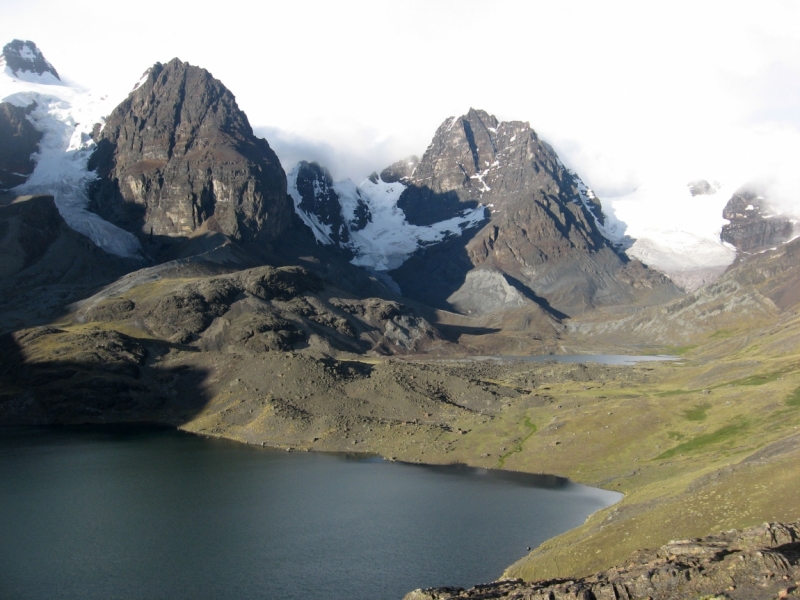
<point>179,154</point>
<point>753,564</point>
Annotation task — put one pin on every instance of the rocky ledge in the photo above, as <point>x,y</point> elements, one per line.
<point>753,564</point>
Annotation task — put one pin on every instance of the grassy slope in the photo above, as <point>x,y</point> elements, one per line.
<point>683,448</point>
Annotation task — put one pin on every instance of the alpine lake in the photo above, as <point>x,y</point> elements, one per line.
<point>132,511</point>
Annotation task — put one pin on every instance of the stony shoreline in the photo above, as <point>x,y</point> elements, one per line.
<point>756,563</point>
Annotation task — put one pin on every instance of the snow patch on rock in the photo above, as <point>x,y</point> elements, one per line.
<point>388,239</point>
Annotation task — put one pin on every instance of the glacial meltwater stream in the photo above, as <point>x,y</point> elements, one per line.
<point>135,512</point>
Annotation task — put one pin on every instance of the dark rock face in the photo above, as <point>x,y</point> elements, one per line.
<point>18,141</point>
<point>751,226</point>
<point>542,223</point>
<point>402,169</point>
<point>759,562</point>
<point>319,198</point>
<point>19,55</point>
<point>178,154</point>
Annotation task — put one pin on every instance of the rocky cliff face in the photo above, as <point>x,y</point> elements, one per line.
<point>20,56</point>
<point>18,141</point>
<point>753,225</point>
<point>331,213</point>
<point>178,154</point>
<point>542,228</point>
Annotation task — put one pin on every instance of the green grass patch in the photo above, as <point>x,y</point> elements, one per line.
<point>723,434</point>
<point>721,334</point>
<point>794,398</point>
<point>752,380</point>
<point>698,413</point>
<point>756,379</point>
<point>531,427</point>
<point>680,350</point>
<point>675,435</point>
<point>667,393</point>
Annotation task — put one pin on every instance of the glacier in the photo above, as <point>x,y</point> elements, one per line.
<point>65,115</point>
<point>388,239</point>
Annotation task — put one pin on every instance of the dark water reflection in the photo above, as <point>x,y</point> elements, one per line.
<point>132,512</point>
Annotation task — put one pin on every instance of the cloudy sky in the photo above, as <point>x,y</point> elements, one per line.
<point>629,93</point>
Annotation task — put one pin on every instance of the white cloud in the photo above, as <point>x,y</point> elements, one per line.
<point>630,93</point>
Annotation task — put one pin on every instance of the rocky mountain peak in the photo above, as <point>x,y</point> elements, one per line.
<point>476,159</point>
<point>178,154</point>
<point>754,224</point>
<point>397,171</point>
<point>23,56</point>
<point>542,230</point>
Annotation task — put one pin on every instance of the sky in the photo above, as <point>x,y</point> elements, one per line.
<point>630,94</point>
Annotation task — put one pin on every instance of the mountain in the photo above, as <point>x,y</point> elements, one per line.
<point>179,154</point>
<point>754,225</point>
<point>23,59</point>
<point>488,219</point>
<point>211,292</point>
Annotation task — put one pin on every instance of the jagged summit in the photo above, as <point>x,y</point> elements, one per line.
<point>21,57</point>
<point>488,212</point>
<point>178,154</point>
<point>545,233</point>
<point>754,224</point>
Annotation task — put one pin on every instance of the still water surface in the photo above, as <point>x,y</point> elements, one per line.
<point>603,359</point>
<point>133,512</point>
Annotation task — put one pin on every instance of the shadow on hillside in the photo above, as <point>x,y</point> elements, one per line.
<point>542,302</point>
<point>434,272</point>
<point>107,379</point>
<point>423,206</point>
<point>453,333</point>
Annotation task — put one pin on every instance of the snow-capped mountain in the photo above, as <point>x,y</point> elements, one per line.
<point>693,232</point>
<point>65,116</point>
<point>365,219</point>
<point>754,225</point>
<point>489,212</point>
<point>23,60</point>
<point>486,195</point>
